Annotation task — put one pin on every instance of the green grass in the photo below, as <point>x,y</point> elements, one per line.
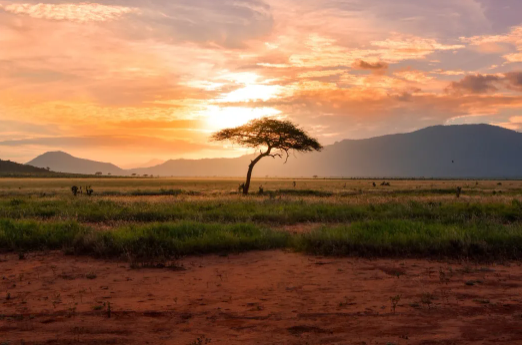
<point>164,218</point>
<point>144,241</point>
<point>395,238</point>
<point>416,239</point>
<point>254,210</point>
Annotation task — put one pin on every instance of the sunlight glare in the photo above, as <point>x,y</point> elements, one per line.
<point>252,93</point>
<point>224,117</point>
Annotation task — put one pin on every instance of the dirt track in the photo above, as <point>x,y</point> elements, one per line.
<point>258,298</point>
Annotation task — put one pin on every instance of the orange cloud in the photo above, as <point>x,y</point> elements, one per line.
<point>414,76</point>
<point>81,13</point>
<point>152,74</point>
<point>514,37</point>
<point>448,72</point>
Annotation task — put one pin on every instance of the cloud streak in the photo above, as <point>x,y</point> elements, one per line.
<point>479,83</point>
<point>81,13</point>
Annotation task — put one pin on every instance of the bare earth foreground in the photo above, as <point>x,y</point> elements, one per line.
<point>258,298</point>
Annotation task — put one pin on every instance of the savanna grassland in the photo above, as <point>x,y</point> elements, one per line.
<point>324,261</point>
<point>163,218</point>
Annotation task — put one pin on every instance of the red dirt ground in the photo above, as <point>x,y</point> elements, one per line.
<point>258,298</point>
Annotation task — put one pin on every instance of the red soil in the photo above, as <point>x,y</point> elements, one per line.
<point>258,298</point>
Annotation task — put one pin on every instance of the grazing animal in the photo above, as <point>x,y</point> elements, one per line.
<point>295,184</point>
<point>374,184</point>
<point>261,190</point>
<point>241,188</point>
<point>89,190</point>
<point>385,184</point>
<point>459,190</point>
<point>74,190</point>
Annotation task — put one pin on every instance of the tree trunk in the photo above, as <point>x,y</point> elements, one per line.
<point>249,176</point>
<point>251,167</point>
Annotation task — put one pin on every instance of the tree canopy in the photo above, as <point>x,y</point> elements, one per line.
<point>277,136</point>
<point>273,134</point>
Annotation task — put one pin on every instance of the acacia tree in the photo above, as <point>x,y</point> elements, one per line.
<point>273,138</point>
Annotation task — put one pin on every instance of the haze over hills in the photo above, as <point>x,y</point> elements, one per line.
<point>463,151</point>
<point>148,164</point>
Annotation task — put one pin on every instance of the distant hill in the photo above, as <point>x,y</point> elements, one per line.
<point>8,168</point>
<point>64,162</point>
<point>464,151</point>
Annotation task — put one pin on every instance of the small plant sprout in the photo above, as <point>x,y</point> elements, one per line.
<point>427,298</point>
<point>444,293</point>
<point>444,279</point>
<point>395,301</point>
<point>71,312</point>
<point>201,341</point>
<point>345,303</point>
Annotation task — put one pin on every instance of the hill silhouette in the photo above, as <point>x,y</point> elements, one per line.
<point>8,168</point>
<point>65,163</point>
<point>463,151</point>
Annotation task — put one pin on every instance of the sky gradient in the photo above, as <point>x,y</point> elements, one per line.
<point>127,81</point>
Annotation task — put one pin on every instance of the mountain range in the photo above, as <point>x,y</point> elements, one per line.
<point>459,151</point>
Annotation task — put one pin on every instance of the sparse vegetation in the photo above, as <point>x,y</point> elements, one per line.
<point>154,220</point>
<point>201,341</point>
<point>427,299</point>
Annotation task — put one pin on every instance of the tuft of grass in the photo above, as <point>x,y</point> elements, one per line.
<point>304,192</point>
<point>481,301</point>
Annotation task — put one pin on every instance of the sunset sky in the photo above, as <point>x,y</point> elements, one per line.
<point>127,81</point>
